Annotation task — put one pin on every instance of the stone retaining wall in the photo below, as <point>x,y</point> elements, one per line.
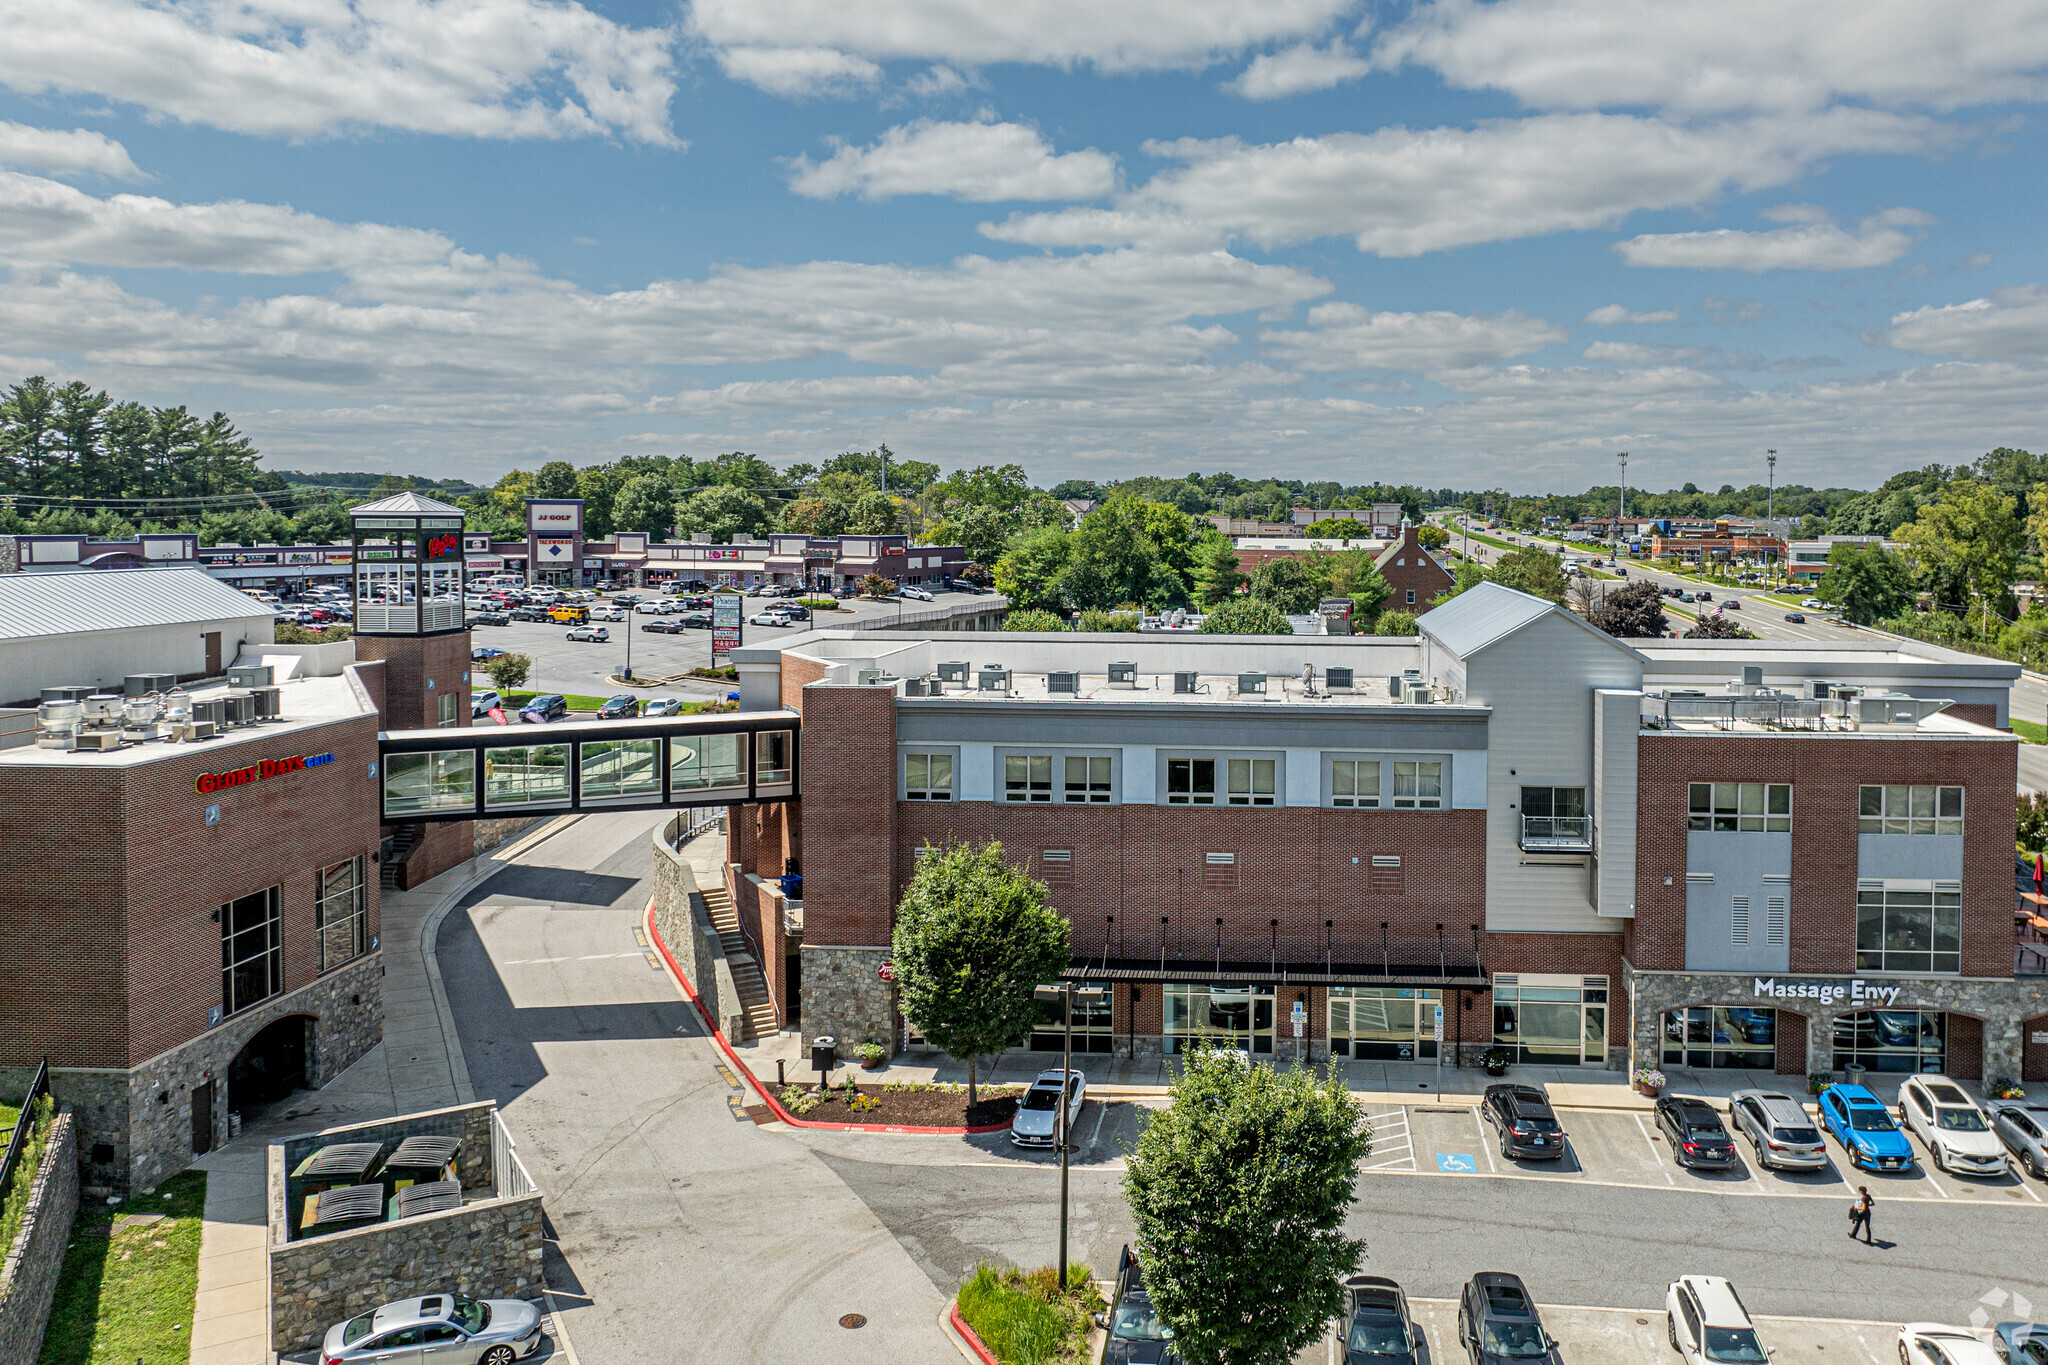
<point>685,927</point>
<point>28,1278</point>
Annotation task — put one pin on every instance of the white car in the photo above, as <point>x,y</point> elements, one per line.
<point>1812,604</point>
<point>1033,1126</point>
<point>656,607</point>
<point>769,618</point>
<point>1708,1325</point>
<point>596,635</point>
<point>1930,1343</point>
<point>607,614</point>
<point>1957,1134</point>
<point>911,590</point>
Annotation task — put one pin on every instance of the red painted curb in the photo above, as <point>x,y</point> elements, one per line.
<point>967,1335</point>
<point>654,936</point>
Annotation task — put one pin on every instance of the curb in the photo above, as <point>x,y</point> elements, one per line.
<point>775,1105</point>
<point>966,1338</point>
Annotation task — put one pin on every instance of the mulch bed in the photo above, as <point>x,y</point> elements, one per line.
<point>919,1108</point>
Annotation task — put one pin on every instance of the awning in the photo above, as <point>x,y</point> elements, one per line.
<point>1450,975</point>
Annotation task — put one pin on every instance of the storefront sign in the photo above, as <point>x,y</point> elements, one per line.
<point>556,518</point>
<point>208,783</point>
<point>301,556</point>
<point>339,556</point>
<point>554,551</point>
<point>444,545</point>
<point>723,554</point>
<point>1828,992</point>
<point>725,625</point>
<point>887,971</point>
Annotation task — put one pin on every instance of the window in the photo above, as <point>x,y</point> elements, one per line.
<point>707,761</point>
<point>1027,777</point>
<point>621,770</point>
<point>1355,782</point>
<point>340,913</point>
<point>1191,782</point>
<point>1087,779</point>
<point>771,757</point>
<point>445,780</point>
<point>1891,1040</point>
<point>1747,807</point>
<point>1418,786</point>
<point>1411,597</point>
<point>449,715</point>
<point>928,777</point>
<point>1251,781</point>
<point>1910,810</point>
<point>251,951</point>
<point>526,775</point>
<point>1555,816</point>
<point>1900,930</point>
<point>1717,1037</point>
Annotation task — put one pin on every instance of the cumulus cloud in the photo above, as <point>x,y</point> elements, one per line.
<point>1401,192</point>
<point>1614,314</point>
<point>1811,241</point>
<point>1345,336</point>
<point>1133,35</point>
<point>981,162</point>
<point>1730,57</point>
<point>796,72</point>
<point>467,68</point>
<point>1298,69</point>
<point>2011,324</point>
<point>64,153</point>
<point>1702,357</point>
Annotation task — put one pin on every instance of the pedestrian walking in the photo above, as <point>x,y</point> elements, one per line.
<point>1859,1214</point>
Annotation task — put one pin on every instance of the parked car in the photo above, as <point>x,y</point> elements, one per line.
<point>1380,1328</point>
<point>771,617</point>
<point>1796,618</point>
<point>1864,1127</point>
<point>663,706</point>
<point>1695,1133</point>
<point>1036,1112</point>
<point>658,606</point>
<point>1134,1334</point>
<point>1930,1343</point>
<point>1813,604</point>
<point>546,706</point>
<point>482,701</point>
<point>1958,1137</point>
<point>627,599</point>
<point>1523,1119</point>
<point>795,611</point>
<point>1708,1325</point>
<point>915,593</point>
<point>607,614</point>
<point>1782,1135</point>
<point>596,635</point>
<point>2020,1343</point>
<point>530,612</point>
<point>456,1330</point>
<point>663,627</point>
<point>485,653</point>
<point>694,620</point>
<point>619,708</point>
<point>1498,1323</point>
<point>2023,1127</point>
<point>488,618</point>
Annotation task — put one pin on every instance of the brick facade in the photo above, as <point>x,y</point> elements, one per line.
<point>1408,568</point>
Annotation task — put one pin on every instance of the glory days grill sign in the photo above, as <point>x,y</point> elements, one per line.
<point>1829,992</point>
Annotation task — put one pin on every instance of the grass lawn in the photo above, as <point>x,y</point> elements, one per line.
<point>8,1113</point>
<point>129,1296</point>
<point>2028,731</point>
<point>577,701</point>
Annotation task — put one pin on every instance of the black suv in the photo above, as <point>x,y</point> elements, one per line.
<point>1136,1335</point>
<point>1498,1324</point>
<point>1522,1116</point>
<point>1695,1133</point>
<point>545,707</point>
<point>530,613</point>
<point>1380,1331</point>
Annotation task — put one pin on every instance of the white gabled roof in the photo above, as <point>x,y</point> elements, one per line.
<point>1489,613</point>
<point>407,503</point>
<point>36,605</point>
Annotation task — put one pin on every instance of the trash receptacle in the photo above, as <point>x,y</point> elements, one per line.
<point>824,1053</point>
<point>1853,1073</point>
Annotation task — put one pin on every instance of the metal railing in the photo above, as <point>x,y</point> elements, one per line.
<point>508,1172</point>
<point>949,612</point>
<point>24,1124</point>
<point>1557,832</point>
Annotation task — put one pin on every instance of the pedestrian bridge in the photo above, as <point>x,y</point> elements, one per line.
<point>494,771</point>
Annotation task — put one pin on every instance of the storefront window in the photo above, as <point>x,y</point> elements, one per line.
<point>526,775</point>
<point>1891,1040</point>
<point>1092,1023</point>
<point>621,770</point>
<point>442,780</point>
<point>1385,1023</point>
<point>1707,1037</point>
<point>703,762</point>
<point>1909,931</point>
<point>1547,1021</point>
<point>1239,1017</point>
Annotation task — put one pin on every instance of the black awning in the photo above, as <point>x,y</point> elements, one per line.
<point>1455,974</point>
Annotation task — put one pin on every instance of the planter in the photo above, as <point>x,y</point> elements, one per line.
<point>876,1065</point>
<point>1496,1068</point>
<point>1653,1091</point>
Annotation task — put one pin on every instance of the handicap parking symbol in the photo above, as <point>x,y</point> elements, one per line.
<point>1456,1163</point>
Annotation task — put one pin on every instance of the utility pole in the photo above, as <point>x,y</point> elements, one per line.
<point>1771,489</point>
<point>1622,456</point>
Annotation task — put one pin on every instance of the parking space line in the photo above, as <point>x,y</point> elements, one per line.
<point>1101,1113</point>
<point>1655,1155</point>
<point>1484,1145</point>
<point>1866,1349</point>
<point>1386,1125</point>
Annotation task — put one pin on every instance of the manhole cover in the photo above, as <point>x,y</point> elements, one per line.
<point>1642,1322</point>
<point>853,1320</point>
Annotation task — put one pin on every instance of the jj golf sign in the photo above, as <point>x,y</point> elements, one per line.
<point>1871,993</point>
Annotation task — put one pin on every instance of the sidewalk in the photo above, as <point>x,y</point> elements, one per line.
<point>417,1066</point>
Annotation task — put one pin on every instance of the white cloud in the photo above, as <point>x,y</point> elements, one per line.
<point>1613,314</point>
<point>2011,324</point>
<point>1401,192</point>
<point>1733,56</point>
<point>1812,241</point>
<point>796,72</point>
<point>1132,35</point>
<point>1345,336</point>
<point>305,68</point>
<point>1701,357</point>
<point>937,83</point>
<point>60,153</point>
<point>1295,70</point>
<point>980,162</point>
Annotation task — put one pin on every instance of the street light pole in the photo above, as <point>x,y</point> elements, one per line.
<point>1066,993</point>
<point>1622,455</point>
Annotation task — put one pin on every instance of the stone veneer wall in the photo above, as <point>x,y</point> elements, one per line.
<point>468,1123</point>
<point>28,1278</point>
<point>844,997</point>
<point>488,834</point>
<point>684,924</point>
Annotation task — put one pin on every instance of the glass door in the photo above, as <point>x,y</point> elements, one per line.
<point>1383,1023</point>
<point>1234,1017</point>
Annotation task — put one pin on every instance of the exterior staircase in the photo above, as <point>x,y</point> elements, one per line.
<point>746,971</point>
<point>391,870</point>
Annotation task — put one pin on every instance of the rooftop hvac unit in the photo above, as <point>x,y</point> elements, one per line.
<point>867,677</point>
<point>1251,684</point>
<point>69,692</point>
<point>99,741</point>
<point>1394,688</point>
<point>1417,694</point>
<point>251,675</point>
<point>142,684</point>
<point>241,708</point>
<point>1123,673</point>
<point>953,671</point>
<point>269,702</point>
<point>995,680</point>
<point>102,708</point>
<point>1068,683</point>
<point>1816,689</point>
<point>213,711</point>
<point>1338,680</point>
<point>1184,682</point>
<point>1752,675</point>
<point>913,687</point>
<point>198,729</point>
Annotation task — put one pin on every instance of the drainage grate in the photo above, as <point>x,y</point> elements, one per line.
<point>853,1320</point>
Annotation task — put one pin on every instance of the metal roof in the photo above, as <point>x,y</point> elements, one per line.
<point>35,605</point>
<point>1481,615</point>
<point>405,504</point>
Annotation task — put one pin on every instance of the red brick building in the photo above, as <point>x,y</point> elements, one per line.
<point>1413,573</point>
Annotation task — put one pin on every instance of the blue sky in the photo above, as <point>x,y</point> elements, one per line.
<point>1468,244</point>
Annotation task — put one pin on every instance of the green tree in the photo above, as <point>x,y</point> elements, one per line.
<point>876,514</point>
<point>2032,822</point>
<point>1395,623</point>
<point>599,487</point>
<point>1216,574</point>
<point>723,510</point>
<point>1030,570</point>
<point>1964,546</point>
<point>1536,572</point>
<point>1239,1190</point>
<point>1432,536</point>
<point>1354,575</point>
<point>1033,618</point>
<point>973,938</point>
<point>875,586</point>
<point>508,671</point>
<point>980,530</point>
<point>1130,550</point>
<point>1293,586</point>
<point>1633,611</point>
<point>556,479</point>
<point>1867,581</point>
<point>644,504</point>
<point>1713,625</point>
<point>1246,616</point>
<point>1097,621</point>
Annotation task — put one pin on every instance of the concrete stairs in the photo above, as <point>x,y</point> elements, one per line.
<point>746,971</point>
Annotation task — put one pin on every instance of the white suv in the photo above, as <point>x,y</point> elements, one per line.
<point>1957,1134</point>
<point>1707,1323</point>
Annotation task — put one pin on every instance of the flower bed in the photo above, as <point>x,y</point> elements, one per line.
<point>907,1103</point>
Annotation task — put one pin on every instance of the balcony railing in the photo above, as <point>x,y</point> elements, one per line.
<point>1557,833</point>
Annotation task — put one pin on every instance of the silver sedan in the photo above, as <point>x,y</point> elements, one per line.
<point>447,1328</point>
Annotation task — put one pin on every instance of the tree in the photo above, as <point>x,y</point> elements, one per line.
<point>1130,550</point>
<point>1354,575</point>
<point>1216,575</point>
<point>508,671</point>
<point>644,504</point>
<point>1029,571</point>
<point>1536,572</point>
<point>2032,821</point>
<point>875,586</point>
<point>725,511</point>
<point>556,479</point>
<point>1032,618</point>
<point>1239,1190</point>
<point>1432,536</point>
<point>1964,546</point>
<point>1715,626</point>
<point>980,530</point>
<point>1246,616</point>
<point>1867,581</point>
<point>973,938</point>
<point>876,514</point>
<point>1293,586</point>
<point>1395,623</point>
<point>1633,611</point>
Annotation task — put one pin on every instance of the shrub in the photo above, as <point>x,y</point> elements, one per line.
<point>292,633</point>
<point>1395,623</point>
<point>1246,616</point>
<point>1097,621</point>
<point>876,586</point>
<point>14,1199</point>
<point>1026,1317</point>
<point>508,671</point>
<point>1818,1081</point>
<point>1031,618</point>
<point>798,1100</point>
<point>871,1052</point>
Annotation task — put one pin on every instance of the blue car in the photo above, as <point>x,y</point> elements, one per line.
<point>2021,1343</point>
<point>1864,1127</point>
